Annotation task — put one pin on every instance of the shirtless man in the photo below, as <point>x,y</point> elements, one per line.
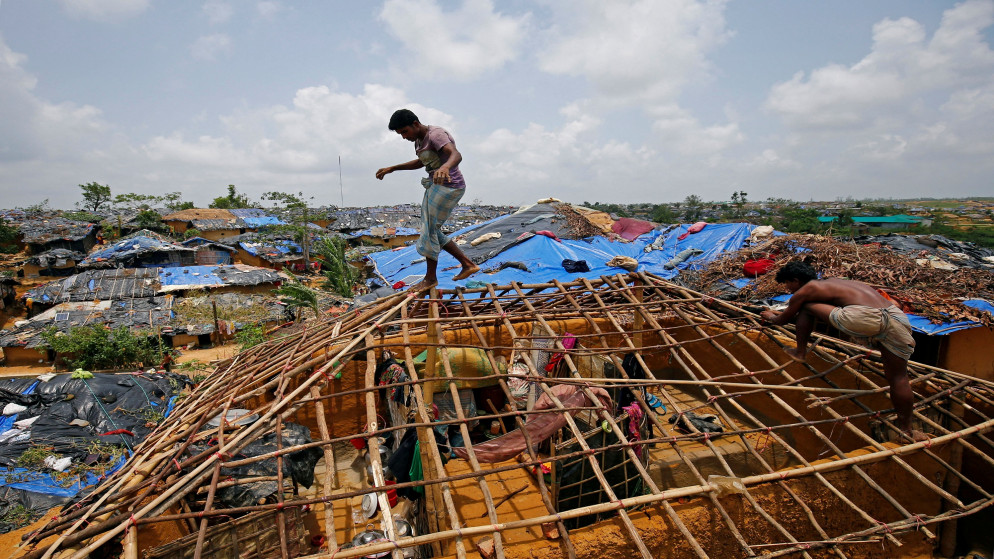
<point>855,309</point>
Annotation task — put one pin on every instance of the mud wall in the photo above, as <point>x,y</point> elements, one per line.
<point>609,539</point>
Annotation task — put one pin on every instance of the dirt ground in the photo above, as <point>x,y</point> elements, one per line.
<point>203,357</point>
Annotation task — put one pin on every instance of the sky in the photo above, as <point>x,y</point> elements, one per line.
<point>588,101</point>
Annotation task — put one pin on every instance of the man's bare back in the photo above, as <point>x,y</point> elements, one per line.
<point>841,293</point>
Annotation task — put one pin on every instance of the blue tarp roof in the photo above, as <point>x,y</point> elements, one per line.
<point>129,247</point>
<point>249,212</point>
<point>282,246</point>
<point>543,256</point>
<point>399,232</point>
<point>263,221</point>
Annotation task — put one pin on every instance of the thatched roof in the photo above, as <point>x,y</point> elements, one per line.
<point>200,213</point>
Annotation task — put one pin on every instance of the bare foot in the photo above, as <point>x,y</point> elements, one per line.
<point>795,355</point>
<point>421,287</point>
<point>466,272</point>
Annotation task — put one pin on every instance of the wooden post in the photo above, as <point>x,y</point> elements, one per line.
<point>217,325</point>
<point>947,537</point>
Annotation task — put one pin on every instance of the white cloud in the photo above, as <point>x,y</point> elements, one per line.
<point>34,128</point>
<point>679,131</point>
<point>902,66</point>
<point>268,8</point>
<point>105,10</point>
<point>634,51</point>
<point>218,11</point>
<point>210,47</point>
<point>455,45</point>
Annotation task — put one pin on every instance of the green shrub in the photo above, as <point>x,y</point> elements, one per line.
<point>95,347</point>
<point>249,336</point>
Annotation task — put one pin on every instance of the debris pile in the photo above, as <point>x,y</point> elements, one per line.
<point>921,289</point>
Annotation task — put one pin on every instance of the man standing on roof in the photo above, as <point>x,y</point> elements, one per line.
<point>855,309</point>
<point>444,187</point>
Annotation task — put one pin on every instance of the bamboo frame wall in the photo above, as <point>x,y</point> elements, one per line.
<point>632,313</point>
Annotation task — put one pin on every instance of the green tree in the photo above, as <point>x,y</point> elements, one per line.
<point>693,208</point>
<point>8,238</point>
<point>340,276</point>
<point>663,214</point>
<point>798,220</point>
<point>96,347</point>
<point>232,201</point>
<point>95,196</point>
<point>148,219</point>
<point>295,212</point>
<point>296,295</point>
<point>133,201</point>
<point>173,203</point>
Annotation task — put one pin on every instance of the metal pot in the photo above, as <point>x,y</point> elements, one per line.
<point>403,528</point>
<point>384,454</point>
<point>371,536</point>
<point>387,474</point>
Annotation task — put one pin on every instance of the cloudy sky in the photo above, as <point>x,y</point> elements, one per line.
<point>606,100</point>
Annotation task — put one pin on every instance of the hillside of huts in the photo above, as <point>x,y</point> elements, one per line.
<point>198,279</point>
<point>568,297</point>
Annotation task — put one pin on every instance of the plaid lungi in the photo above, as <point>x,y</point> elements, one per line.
<point>435,209</point>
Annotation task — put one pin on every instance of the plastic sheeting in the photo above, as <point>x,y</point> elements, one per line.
<point>130,249</point>
<point>106,402</point>
<point>543,256</point>
<point>296,465</point>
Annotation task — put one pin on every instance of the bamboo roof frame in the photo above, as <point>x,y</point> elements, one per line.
<point>640,309</point>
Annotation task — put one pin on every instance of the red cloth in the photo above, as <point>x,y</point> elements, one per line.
<point>695,228</point>
<point>540,426</point>
<point>548,234</point>
<point>630,229</point>
<point>757,267</point>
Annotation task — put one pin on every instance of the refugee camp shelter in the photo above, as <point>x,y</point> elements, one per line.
<point>623,416</point>
<point>24,344</point>
<point>256,218</point>
<point>40,235</point>
<point>270,253</point>
<point>133,283</point>
<point>52,263</point>
<point>140,251</point>
<point>552,240</point>
<point>209,252</point>
<point>213,224</point>
<point>7,292</point>
<point>386,237</point>
<point>899,221</point>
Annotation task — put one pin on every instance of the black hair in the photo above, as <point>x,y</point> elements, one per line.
<point>402,118</point>
<point>796,270</point>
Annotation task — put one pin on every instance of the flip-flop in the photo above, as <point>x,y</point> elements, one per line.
<point>656,404</point>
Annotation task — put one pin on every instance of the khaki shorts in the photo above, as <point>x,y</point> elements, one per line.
<point>888,327</point>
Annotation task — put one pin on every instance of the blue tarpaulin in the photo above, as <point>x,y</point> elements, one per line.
<point>191,275</point>
<point>130,247</point>
<point>543,256</point>
<point>382,232</point>
<point>280,246</point>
